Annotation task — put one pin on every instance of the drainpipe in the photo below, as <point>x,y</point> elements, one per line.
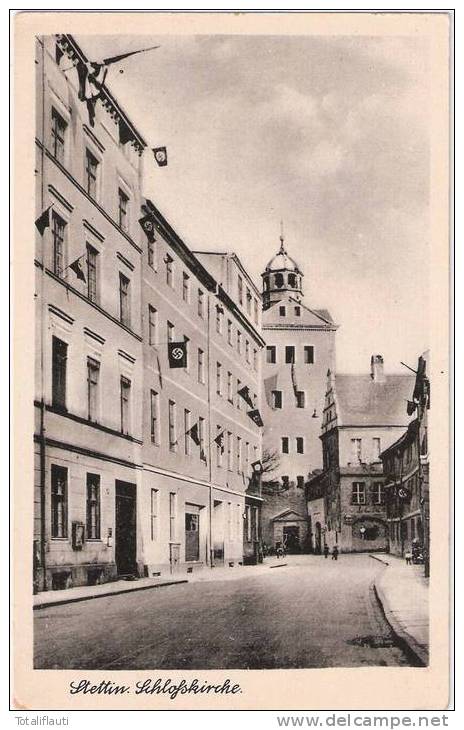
<point>208,350</point>
<point>42,345</point>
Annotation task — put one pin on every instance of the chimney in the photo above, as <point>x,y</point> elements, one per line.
<point>377,373</point>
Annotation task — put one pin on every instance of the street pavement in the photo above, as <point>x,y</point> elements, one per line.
<point>311,612</point>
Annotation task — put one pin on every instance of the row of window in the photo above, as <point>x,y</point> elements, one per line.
<point>234,452</point>
<point>237,342</point>
<point>359,493</point>
<point>251,302</point>
<point>359,453</point>
<point>290,354</point>
<point>59,132</point>
<point>299,445</point>
<point>277,399</point>
<point>91,272</point>
<point>59,504</point>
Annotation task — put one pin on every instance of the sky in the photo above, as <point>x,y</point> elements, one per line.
<point>329,134</point>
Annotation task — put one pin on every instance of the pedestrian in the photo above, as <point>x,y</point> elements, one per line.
<point>408,557</point>
<point>279,550</point>
<point>326,551</point>
<point>335,552</point>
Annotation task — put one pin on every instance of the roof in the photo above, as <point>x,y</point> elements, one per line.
<point>365,402</point>
<point>282,261</point>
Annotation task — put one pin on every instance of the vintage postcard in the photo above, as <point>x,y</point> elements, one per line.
<point>231,319</point>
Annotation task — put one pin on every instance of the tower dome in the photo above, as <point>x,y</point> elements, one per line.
<point>281,276</point>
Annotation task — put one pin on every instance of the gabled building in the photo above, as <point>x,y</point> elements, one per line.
<point>300,348</point>
<point>363,414</point>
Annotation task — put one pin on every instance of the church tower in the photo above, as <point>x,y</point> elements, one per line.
<point>300,349</point>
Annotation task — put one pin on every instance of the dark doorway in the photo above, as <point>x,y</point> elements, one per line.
<point>126,530</point>
<point>192,536</point>
<point>291,534</point>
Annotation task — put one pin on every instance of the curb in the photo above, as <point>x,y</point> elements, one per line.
<point>279,565</point>
<point>416,653</point>
<point>76,599</point>
<point>374,557</point>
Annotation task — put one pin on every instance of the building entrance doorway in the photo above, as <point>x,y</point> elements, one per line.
<point>192,536</point>
<point>126,528</point>
<point>318,539</point>
<point>291,535</point>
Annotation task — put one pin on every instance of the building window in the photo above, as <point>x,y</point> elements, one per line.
<point>59,501</point>
<point>376,448</point>
<point>239,342</point>
<point>247,457</point>
<point>289,354</point>
<point>152,325</point>
<point>299,445</point>
<point>58,232</point>
<point>356,450</point>
<point>200,303</point>
<point>93,377</point>
<point>239,399</point>
<point>219,448</point>
<point>255,301</point>
<point>151,253</point>
<point>284,444</point>
<point>125,404</point>
<point>297,311</point>
<point>91,171</point>
<point>248,300</point>
<point>170,331</point>
<point>201,366</point>
<point>154,514</point>
<point>239,455</point>
<point>229,331</point>
<point>230,388</point>
<point>92,273</point>
<point>185,287</point>
<point>172,516</point>
<point>172,426</point>
<point>201,436</point>
<point>123,208</point>
<point>282,311</point>
<point>255,358</point>
<point>218,378</point>
<point>378,493</point>
<point>58,136</point>
<point>247,525</point>
<point>300,399</point>
<point>285,481</point>
<point>187,437</point>
<point>309,354</point>
<point>58,54</point>
<point>169,261</point>
<point>276,396</point>
<point>247,351</point>
<point>300,481</point>
<point>124,301</point>
<point>154,417</point>
<point>358,493</point>
<point>93,507</point>
<point>59,365</point>
<point>240,289</point>
<point>219,313</point>
<point>229,451</point>
<point>271,354</point>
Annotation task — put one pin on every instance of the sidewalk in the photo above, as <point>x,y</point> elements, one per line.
<point>404,594</point>
<point>83,593</point>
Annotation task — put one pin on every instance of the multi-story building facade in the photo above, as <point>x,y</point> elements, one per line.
<point>363,415</point>
<point>88,429</point>
<point>300,349</point>
<point>141,468</point>
<point>200,497</point>
<point>406,477</point>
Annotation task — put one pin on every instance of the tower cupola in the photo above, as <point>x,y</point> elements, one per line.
<point>281,276</point>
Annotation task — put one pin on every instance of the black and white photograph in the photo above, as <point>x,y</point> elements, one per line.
<point>234,363</point>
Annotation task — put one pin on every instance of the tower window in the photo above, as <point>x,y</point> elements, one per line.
<point>285,444</point>
<point>309,354</point>
<point>299,445</point>
<point>292,280</point>
<point>297,311</point>
<point>277,399</point>
<point>279,281</point>
<point>271,354</point>
<point>300,398</point>
<point>282,311</point>
<point>289,354</point>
